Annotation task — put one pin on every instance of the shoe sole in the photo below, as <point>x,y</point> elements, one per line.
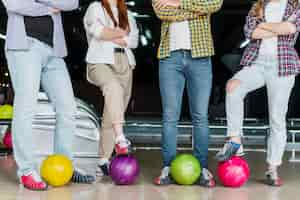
<point>122,153</point>
<point>45,189</point>
<point>272,183</point>
<point>158,183</point>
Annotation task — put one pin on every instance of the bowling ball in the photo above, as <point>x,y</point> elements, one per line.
<point>185,169</point>
<point>6,112</point>
<point>7,140</point>
<point>57,170</point>
<point>233,173</point>
<point>124,170</point>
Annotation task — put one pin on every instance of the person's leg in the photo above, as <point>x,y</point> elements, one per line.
<point>171,83</point>
<point>108,130</point>
<point>25,70</point>
<point>106,145</point>
<point>199,83</point>
<point>125,80</point>
<point>107,137</point>
<point>245,81</point>
<point>279,90</point>
<point>124,76</point>
<point>105,78</point>
<point>57,84</point>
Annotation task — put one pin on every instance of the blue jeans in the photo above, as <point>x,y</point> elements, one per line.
<point>28,69</point>
<point>174,72</point>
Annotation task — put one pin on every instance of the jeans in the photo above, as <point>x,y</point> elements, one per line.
<point>28,69</point>
<point>263,72</point>
<point>174,72</point>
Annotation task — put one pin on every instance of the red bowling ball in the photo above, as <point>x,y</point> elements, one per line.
<point>7,140</point>
<point>234,172</point>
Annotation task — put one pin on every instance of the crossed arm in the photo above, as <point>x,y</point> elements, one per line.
<point>180,10</point>
<point>37,8</point>
<point>255,28</point>
<point>172,14</point>
<point>95,27</point>
<point>202,6</point>
<point>64,5</point>
<point>267,30</point>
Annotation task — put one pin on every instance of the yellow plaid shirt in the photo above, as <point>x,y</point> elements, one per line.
<point>197,13</point>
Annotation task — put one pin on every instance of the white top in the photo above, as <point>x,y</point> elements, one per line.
<point>101,51</point>
<point>274,12</point>
<point>180,37</point>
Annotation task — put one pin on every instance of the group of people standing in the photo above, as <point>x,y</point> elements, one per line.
<point>35,47</point>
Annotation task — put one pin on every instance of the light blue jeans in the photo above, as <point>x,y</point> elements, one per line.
<point>176,72</point>
<point>264,72</point>
<point>28,69</point>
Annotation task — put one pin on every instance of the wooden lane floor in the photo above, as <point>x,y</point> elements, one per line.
<point>150,161</point>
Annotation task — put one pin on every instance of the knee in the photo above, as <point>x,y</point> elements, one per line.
<point>232,85</point>
<point>234,91</point>
<point>278,120</point>
<point>170,116</point>
<point>199,119</point>
<point>66,113</point>
<point>66,108</point>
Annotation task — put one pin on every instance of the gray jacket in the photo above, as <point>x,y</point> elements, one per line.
<point>16,38</point>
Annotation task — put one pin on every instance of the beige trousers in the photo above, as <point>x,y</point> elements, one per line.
<point>115,81</point>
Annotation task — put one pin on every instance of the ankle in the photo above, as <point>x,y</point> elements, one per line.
<point>165,171</point>
<point>103,161</point>
<point>120,138</point>
<point>272,168</point>
<point>236,140</point>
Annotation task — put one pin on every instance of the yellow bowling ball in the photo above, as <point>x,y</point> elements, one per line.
<point>57,170</point>
<point>6,112</point>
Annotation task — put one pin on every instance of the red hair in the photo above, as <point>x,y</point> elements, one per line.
<point>122,12</point>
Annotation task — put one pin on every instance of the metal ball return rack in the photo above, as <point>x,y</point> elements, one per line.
<point>145,133</point>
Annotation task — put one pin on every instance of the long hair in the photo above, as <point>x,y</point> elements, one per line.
<point>257,9</point>
<point>122,12</point>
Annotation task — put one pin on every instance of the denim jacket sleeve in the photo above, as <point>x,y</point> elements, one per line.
<point>64,5</point>
<point>26,7</point>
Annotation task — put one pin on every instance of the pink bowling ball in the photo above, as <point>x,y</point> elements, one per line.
<point>234,172</point>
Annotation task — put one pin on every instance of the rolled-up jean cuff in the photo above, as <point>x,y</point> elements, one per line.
<point>234,134</point>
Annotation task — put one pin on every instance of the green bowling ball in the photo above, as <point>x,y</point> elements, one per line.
<point>185,169</point>
<point>6,112</point>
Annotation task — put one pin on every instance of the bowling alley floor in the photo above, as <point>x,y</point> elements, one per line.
<point>145,190</point>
